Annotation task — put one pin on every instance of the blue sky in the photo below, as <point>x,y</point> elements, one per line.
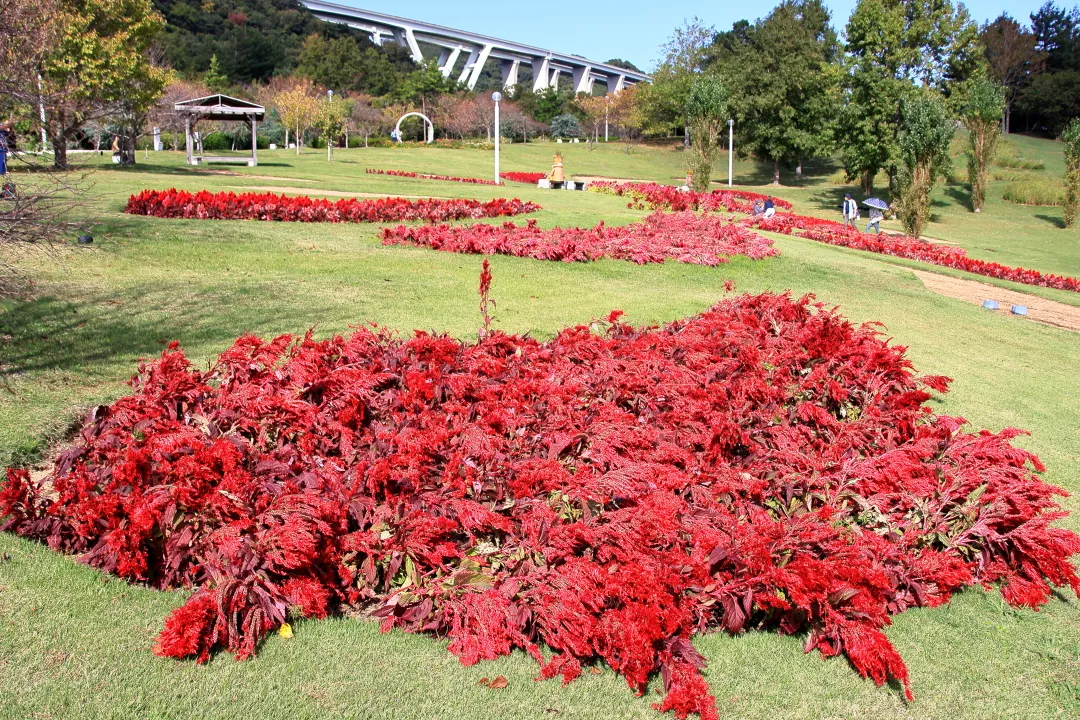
<point>630,29</point>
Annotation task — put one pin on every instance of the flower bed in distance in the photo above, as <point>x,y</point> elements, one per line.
<point>530,178</point>
<point>268,206</point>
<point>654,196</point>
<point>834,233</point>
<point>425,176</point>
<point>763,466</point>
<point>688,237</point>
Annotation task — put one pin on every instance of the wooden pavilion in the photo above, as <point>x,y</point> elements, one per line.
<point>225,109</point>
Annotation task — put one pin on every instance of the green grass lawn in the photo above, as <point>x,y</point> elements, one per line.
<point>75,643</point>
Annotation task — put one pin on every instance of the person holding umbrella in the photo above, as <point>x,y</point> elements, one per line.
<point>877,208</point>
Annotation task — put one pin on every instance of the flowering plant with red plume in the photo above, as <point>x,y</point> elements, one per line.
<point>205,205</point>
<point>608,494</point>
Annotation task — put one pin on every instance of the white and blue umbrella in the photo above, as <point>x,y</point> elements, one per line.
<point>875,203</point>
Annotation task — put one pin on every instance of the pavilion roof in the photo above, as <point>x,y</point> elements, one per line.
<point>221,107</point>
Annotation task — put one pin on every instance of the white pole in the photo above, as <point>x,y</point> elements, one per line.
<point>497,97</point>
<point>730,148</point>
<point>41,106</point>
<point>606,105</point>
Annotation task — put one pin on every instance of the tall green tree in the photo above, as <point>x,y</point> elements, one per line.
<point>662,102</point>
<point>213,78</point>
<point>100,55</point>
<point>893,46</point>
<point>707,112</point>
<point>1071,142</point>
<point>784,84</point>
<point>922,154</point>
<point>983,106</point>
<point>334,63</point>
<point>1012,58</point>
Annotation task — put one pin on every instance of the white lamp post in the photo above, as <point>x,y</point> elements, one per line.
<point>497,96</point>
<point>730,148</point>
<point>329,140</point>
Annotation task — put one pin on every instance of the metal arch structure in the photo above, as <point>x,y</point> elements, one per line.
<point>429,127</point>
<point>547,66</point>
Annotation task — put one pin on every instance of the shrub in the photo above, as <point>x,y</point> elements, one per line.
<point>707,113</point>
<point>1070,140</point>
<point>565,126</point>
<point>608,494</point>
<point>984,106</point>
<point>1035,190</point>
<point>925,134</point>
<point>1008,156</point>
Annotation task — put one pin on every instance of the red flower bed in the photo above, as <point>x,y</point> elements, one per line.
<point>685,236</point>
<point>425,176</point>
<point>524,177</point>
<point>654,196</point>
<point>766,465</point>
<point>835,233</point>
<point>268,206</point>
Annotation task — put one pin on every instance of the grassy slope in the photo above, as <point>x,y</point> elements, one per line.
<point>83,651</point>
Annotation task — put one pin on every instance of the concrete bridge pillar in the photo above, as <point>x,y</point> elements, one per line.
<point>553,83</point>
<point>583,82</point>
<point>510,73</point>
<point>541,71</point>
<point>447,60</point>
<point>615,83</point>
<point>478,65</point>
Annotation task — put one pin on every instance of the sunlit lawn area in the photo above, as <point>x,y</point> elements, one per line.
<point>76,643</point>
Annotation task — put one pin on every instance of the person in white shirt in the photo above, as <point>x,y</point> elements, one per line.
<point>850,210</point>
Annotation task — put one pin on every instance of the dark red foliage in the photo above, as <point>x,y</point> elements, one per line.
<point>835,233</point>
<point>688,237</point>
<point>426,176</point>
<point>764,466</point>
<point>654,196</point>
<point>268,206</point>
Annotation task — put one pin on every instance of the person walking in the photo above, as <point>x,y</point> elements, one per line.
<point>875,221</point>
<point>7,140</point>
<point>850,209</point>
<point>7,130</point>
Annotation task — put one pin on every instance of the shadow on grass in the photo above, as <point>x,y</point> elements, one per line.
<point>52,333</point>
<point>1055,220</point>
<point>960,195</point>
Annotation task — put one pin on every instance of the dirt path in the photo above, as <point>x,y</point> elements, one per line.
<point>1049,312</point>
<point>317,191</point>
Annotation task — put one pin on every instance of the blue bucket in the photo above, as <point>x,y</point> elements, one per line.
<point>990,304</point>
<point>1019,310</point>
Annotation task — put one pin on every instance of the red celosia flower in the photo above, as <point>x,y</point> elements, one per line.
<point>764,465</point>
<point>267,206</point>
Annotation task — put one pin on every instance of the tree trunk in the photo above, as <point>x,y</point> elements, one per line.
<point>298,139</point>
<point>59,143</point>
<point>286,138</point>
<point>686,137</point>
<point>867,181</point>
<point>1008,114</point>
<point>798,170</point>
<point>127,149</point>
<point>776,172</point>
<point>365,139</point>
